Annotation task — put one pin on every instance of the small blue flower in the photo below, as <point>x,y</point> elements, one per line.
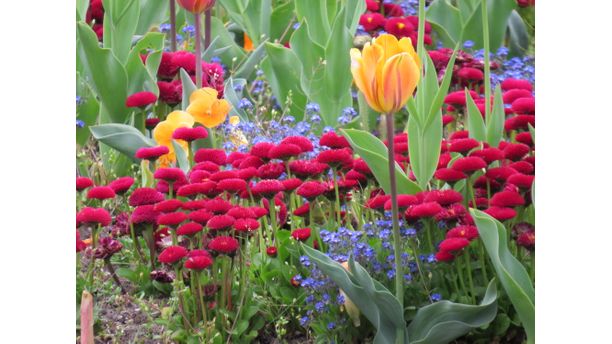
<point>331,325</point>
<point>320,307</point>
<point>215,59</point>
<point>340,299</point>
<point>296,26</point>
<point>436,297</point>
<point>245,104</point>
<point>259,72</point>
<point>164,28</point>
<point>79,123</point>
<point>304,320</point>
<point>312,108</point>
<point>189,29</point>
<point>78,100</point>
<point>468,44</point>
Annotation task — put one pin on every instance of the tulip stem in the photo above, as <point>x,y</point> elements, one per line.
<point>198,49</point>
<point>399,276</point>
<point>487,67</point>
<point>111,270</point>
<point>172,25</point>
<point>207,27</point>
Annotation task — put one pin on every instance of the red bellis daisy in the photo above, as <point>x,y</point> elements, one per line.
<point>144,196</point>
<point>172,254</point>
<point>141,99</point>
<point>223,245</point>
<point>83,183</point>
<point>151,153</point>
<point>101,193</point>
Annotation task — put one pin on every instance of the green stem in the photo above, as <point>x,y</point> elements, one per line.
<point>487,67</point>
<point>466,257</point>
<point>482,257</point>
<point>415,253</point>
<point>273,223</point>
<point>198,49</point>
<point>172,25</point>
<point>460,273</point>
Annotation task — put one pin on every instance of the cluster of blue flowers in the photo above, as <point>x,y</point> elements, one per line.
<point>515,67</point>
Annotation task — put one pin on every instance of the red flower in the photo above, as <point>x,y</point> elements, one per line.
<point>232,185</point>
<point>427,209</point>
<point>83,183</point>
<point>190,228</point>
<point>167,69</point>
<point>195,205</point>
<point>267,188</point>
<point>336,157</point>
<point>444,256</point>
<point>170,93</point>
<point>210,154</point>
<point>510,84</point>
<point>523,181</point>
<point>446,119</point>
<point>443,197</point>
<point>301,234</point>
<point>270,170</point>
<point>259,211</point>
<point>121,185</point>
<point>524,106</point>
<point>469,164</point>
<point>262,150</point>
<point>198,263</point>
<point>284,151</point>
<point>527,240</point>
<point>454,212</point>
<point>377,202</point>
<point>207,188</point>
<point>453,244</point>
<point>95,11</point>
<point>467,232</point>
<point>172,254</point>
<point>354,175</point>
<point>302,210</point>
<point>516,151</point>
<point>168,206</point>
<point>92,216</point>
<point>500,173</point>
<point>218,205</point>
<point>170,174</point>
<point>463,145</point>
<point>524,138</point>
<point>200,216</point>
<point>489,154</point>
<point>305,169</point>
<point>332,140</point>
<point>372,21</point>
<point>80,244</point>
<point>101,193</point>
<point>220,222</point>
<point>151,153</point>
<point>246,225</point>
<point>171,219</point>
<point>403,202</point>
<point>224,174</point>
<point>399,27</point>
<point>272,251</point>
<point>507,199</point>
<point>522,167</point>
<point>501,214</point>
<point>247,173</point>
<point>223,245</point>
<point>470,74</point>
<point>150,123</point>
<point>449,175</point>
<point>300,141</point>
<point>444,159</point>
<point>458,98</point>
<point>362,167</point>
<point>519,122</point>
<point>144,196</point>
<point>144,214</point>
<point>311,189</point>
<point>291,184</point>
<point>514,94</point>
<point>141,99</point>
<point>460,134</point>
<point>190,134</point>
<point>393,10</point>
<point>185,60</point>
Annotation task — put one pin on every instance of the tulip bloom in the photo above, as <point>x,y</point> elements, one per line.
<point>206,108</point>
<point>386,72</point>
<point>164,130</point>
<point>196,6</point>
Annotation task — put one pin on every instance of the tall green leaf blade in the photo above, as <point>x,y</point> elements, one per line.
<point>376,303</point>
<point>247,68</point>
<point>108,78</point>
<point>498,14</point>
<point>121,17</point>
<point>443,15</point>
<point>519,37</point>
<point>316,12</point>
<point>444,321</point>
<point>152,13</point>
<point>424,148</point>
<point>442,91</point>
<point>231,96</point>
<point>495,124</point>
<point>229,50</point>
<point>475,122</point>
<point>354,10</point>
<point>511,273</point>
<point>374,152</point>
<point>181,157</point>
<point>282,16</point>
<point>124,138</point>
<point>140,77</point>
<point>188,88</point>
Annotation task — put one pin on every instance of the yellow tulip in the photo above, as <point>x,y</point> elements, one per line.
<point>206,108</point>
<point>163,134</point>
<point>386,72</point>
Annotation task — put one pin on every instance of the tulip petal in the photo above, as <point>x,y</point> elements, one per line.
<point>206,93</point>
<point>400,76</point>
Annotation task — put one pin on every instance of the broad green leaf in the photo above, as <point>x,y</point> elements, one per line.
<point>181,157</point>
<point>188,88</point>
<point>147,176</point>
<point>444,321</point>
<point>124,138</point>
<point>475,122</point>
<point>376,303</point>
<point>107,76</point>
<point>511,273</point>
<point>231,96</point>
<point>247,68</point>
<point>495,124</point>
<point>140,77</point>
<point>519,37</point>
<point>231,52</point>
<point>498,13</point>
<point>311,55</point>
<point>280,21</point>
<point>152,13</point>
<point>316,13</point>
<point>447,19</point>
<point>427,90</point>
<point>280,68</point>
<point>354,10</point>
<point>424,148</point>
<point>442,91</point>
<point>82,6</point>
<point>120,19</point>
<point>367,116</point>
<point>375,153</point>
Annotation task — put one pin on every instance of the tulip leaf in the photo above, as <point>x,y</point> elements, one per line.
<point>511,273</point>
<point>316,12</point>
<point>424,148</point>
<point>376,303</point>
<point>495,124</point>
<point>82,6</point>
<point>148,179</point>
<point>142,77</point>
<point>446,19</point>
<point>120,21</point>
<point>282,17</point>
<point>442,91</point>
<point>283,74</point>
<point>107,76</point>
<point>475,122</point>
<point>152,13</point>
<point>229,49</point>
<point>444,321</point>
<point>124,138</point>
<point>519,37</point>
<point>246,69</point>
<point>367,116</point>
<point>188,88</point>
<point>375,153</point>
<point>231,96</point>
<point>181,157</point>
<point>532,132</point>
<point>354,10</point>
<point>310,54</point>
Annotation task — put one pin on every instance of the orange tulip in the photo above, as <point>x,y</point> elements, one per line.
<point>196,6</point>
<point>164,130</point>
<point>206,108</point>
<point>386,72</point>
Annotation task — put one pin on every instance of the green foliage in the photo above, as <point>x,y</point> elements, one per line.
<point>124,138</point>
<point>375,154</point>
<point>152,13</point>
<point>181,157</point>
<point>120,21</point>
<point>511,273</point>
<point>259,19</point>
<point>464,22</point>
<point>519,37</point>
